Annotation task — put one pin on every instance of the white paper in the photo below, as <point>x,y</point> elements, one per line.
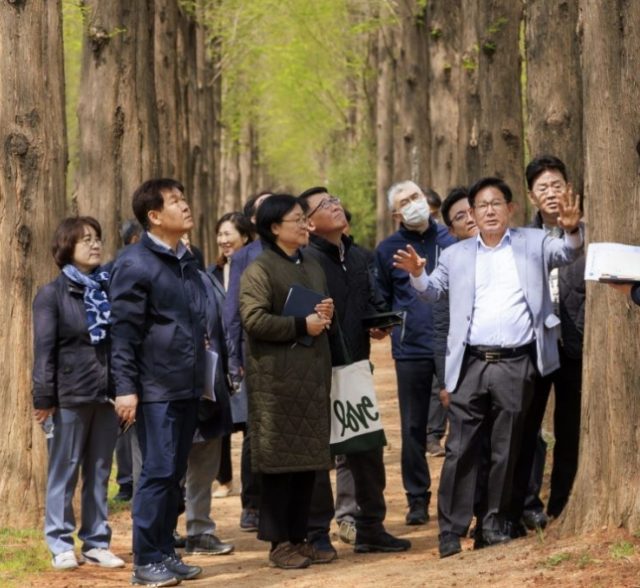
<point>210,364</point>
<point>612,262</point>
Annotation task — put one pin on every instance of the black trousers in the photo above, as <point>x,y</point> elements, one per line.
<point>567,383</point>
<point>284,506</point>
<point>369,480</point>
<point>491,396</point>
<point>250,493</point>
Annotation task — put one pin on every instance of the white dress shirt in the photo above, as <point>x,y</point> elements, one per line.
<point>501,316</point>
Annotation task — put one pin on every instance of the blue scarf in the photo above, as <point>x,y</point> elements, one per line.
<point>95,298</point>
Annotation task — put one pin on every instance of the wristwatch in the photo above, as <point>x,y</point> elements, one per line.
<point>573,231</point>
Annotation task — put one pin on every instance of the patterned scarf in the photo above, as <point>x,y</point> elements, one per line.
<point>95,298</point>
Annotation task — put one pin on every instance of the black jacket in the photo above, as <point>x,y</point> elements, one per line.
<point>351,285</point>
<point>158,324</point>
<point>572,300</point>
<point>67,369</point>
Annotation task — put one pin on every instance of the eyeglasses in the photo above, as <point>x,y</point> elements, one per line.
<point>90,241</point>
<point>497,205</point>
<point>301,222</point>
<point>555,187</point>
<point>325,203</point>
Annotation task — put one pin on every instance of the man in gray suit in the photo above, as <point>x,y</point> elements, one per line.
<point>501,336</point>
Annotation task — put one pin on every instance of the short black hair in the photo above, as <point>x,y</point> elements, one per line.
<point>271,211</point>
<point>347,214</point>
<point>68,233</point>
<point>130,228</point>
<point>487,183</point>
<point>149,197</point>
<point>241,224</point>
<point>541,164</point>
<point>433,198</point>
<point>455,195</point>
<point>303,199</point>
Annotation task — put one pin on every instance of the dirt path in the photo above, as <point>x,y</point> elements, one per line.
<point>604,560</point>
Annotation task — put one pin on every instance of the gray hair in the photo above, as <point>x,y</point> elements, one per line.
<point>130,229</point>
<point>393,192</point>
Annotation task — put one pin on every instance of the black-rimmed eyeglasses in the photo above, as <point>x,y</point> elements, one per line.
<point>325,203</point>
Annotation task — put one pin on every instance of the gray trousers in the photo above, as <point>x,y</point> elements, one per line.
<point>204,464</point>
<point>83,441</point>
<point>346,507</point>
<point>500,392</point>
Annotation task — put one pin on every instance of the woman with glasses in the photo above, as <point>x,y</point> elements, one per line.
<point>71,394</point>
<point>288,381</point>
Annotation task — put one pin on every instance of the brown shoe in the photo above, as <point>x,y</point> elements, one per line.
<point>288,557</point>
<point>315,554</point>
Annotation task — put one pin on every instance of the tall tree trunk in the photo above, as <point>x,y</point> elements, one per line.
<point>413,141</point>
<point>554,87</point>
<point>444,25</point>
<point>32,201</point>
<point>384,129</point>
<point>469,103</point>
<point>117,112</point>
<point>606,489</point>
<point>500,139</point>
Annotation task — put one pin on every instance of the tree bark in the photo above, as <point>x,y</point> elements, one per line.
<point>117,112</point>
<point>469,105</point>
<point>413,136</point>
<point>606,488</point>
<point>384,130</point>
<point>444,24</point>
<point>554,86</point>
<point>32,201</point>
<point>501,128</point>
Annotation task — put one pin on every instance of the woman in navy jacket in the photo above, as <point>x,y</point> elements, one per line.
<point>71,390</point>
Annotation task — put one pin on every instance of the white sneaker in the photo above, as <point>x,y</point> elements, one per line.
<point>65,560</point>
<point>101,557</point>
<point>223,490</point>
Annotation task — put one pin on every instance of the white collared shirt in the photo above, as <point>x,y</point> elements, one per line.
<point>501,316</point>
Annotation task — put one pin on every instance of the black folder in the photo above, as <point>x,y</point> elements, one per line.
<point>301,302</point>
<point>384,320</point>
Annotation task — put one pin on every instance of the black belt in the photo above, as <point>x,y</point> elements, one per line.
<point>493,354</point>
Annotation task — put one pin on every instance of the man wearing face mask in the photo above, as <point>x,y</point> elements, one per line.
<point>414,352</point>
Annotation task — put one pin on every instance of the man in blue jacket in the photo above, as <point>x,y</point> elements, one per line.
<point>158,335</point>
<point>413,352</point>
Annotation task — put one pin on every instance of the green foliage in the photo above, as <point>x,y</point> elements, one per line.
<point>22,553</point>
<point>555,560</point>
<point>622,550</point>
<point>489,47</point>
<point>497,26</point>
<point>435,33</point>
<point>469,63</point>
<point>297,72</point>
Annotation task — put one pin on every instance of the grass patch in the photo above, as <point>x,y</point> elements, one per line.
<point>584,560</point>
<point>622,550</point>
<point>22,553</point>
<point>555,560</point>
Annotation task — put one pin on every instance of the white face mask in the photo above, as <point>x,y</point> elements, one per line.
<point>415,213</point>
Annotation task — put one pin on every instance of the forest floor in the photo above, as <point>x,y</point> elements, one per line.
<point>609,558</point>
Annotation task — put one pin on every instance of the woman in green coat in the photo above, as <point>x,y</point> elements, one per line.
<point>288,382</point>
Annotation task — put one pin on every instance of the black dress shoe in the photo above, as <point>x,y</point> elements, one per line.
<point>494,538</point>
<point>534,519</point>
<point>449,544</point>
<point>382,543</point>
<point>514,530</point>
<point>478,539</point>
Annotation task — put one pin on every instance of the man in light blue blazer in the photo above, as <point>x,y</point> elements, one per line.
<point>502,335</point>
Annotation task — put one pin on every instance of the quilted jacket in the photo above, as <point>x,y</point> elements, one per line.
<point>288,384</point>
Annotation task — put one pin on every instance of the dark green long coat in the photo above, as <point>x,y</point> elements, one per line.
<point>288,384</point>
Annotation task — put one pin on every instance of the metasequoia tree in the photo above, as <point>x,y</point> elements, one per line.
<point>412,160</point>
<point>444,24</point>
<point>554,87</point>
<point>32,188</point>
<point>500,126</point>
<point>606,488</point>
<point>117,112</point>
